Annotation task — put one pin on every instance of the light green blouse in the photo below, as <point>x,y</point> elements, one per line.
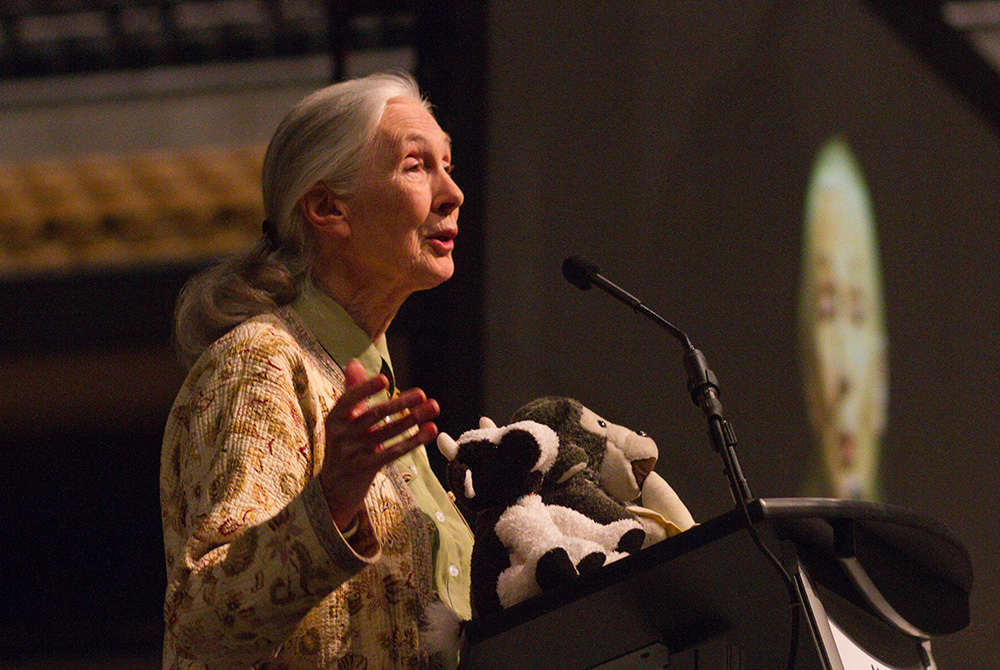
<point>343,340</point>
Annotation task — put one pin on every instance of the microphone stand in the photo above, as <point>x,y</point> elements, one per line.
<point>704,389</point>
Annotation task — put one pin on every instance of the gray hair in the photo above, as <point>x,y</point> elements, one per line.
<point>325,137</point>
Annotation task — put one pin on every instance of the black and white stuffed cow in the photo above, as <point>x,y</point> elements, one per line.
<point>523,545</point>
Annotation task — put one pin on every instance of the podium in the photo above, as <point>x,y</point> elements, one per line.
<point>868,587</point>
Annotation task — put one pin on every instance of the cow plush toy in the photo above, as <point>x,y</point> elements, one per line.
<point>550,492</point>
<point>614,459</point>
<point>523,545</point>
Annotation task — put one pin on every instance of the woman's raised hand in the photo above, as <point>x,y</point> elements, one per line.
<point>356,433</point>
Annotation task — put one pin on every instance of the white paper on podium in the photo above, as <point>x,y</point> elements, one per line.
<point>853,656</point>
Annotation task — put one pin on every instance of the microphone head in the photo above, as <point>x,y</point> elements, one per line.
<point>578,271</point>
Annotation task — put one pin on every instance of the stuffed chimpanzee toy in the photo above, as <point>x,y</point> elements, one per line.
<point>618,461</point>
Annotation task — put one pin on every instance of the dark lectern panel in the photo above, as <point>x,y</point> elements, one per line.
<point>708,582</point>
<point>713,581</point>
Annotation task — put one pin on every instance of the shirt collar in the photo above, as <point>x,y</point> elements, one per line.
<point>337,332</point>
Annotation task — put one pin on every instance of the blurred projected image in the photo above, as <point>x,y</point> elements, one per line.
<point>842,329</point>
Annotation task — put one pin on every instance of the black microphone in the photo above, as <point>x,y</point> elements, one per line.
<point>578,271</point>
<point>583,274</point>
<point>702,383</point>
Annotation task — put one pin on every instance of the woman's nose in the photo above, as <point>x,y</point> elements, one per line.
<point>449,196</point>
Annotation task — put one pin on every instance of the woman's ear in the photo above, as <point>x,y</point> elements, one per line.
<point>324,211</point>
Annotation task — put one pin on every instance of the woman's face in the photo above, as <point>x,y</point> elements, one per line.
<point>846,350</point>
<point>403,214</point>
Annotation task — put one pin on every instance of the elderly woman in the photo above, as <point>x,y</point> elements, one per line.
<point>303,526</point>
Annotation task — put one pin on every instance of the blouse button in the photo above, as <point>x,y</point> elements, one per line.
<point>453,570</point>
<point>440,516</point>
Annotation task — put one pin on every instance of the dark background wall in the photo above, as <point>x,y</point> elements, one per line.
<point>671,143</point>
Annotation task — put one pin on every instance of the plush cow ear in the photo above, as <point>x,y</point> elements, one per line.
<point>545,439</point>
<point>447,446</point>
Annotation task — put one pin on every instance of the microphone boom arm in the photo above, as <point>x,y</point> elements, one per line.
<point>624,296</point>
<point>702,383</point>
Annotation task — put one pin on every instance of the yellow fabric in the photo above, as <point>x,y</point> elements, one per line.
<point>343,340</point>
<point>649,518</point>
<point>257,573</point>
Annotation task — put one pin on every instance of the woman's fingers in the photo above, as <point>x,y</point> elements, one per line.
<point>351,411</point>
<point>354,373</point>
<point>354,428</point>
<point>427,432</point>
<point>366,437</point>
<point>404,402</point>
<point>418,415</point>
<point>349,405</point>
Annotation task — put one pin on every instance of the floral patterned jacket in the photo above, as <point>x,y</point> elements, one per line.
<point>257,573</point>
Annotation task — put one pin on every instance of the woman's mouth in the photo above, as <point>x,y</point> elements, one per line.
<point>847,448</point>
<point>443,242</point>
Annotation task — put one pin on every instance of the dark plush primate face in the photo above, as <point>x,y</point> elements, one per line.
<point>618,458</point>
<point>563,415</point>
<point>485,474</point>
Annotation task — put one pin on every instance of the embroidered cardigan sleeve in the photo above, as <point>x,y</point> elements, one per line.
<point>250,543</point>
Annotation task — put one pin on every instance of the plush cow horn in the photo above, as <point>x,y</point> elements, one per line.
<point>470,492</point>
<point>487,422</point>
<point>447,446</point>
